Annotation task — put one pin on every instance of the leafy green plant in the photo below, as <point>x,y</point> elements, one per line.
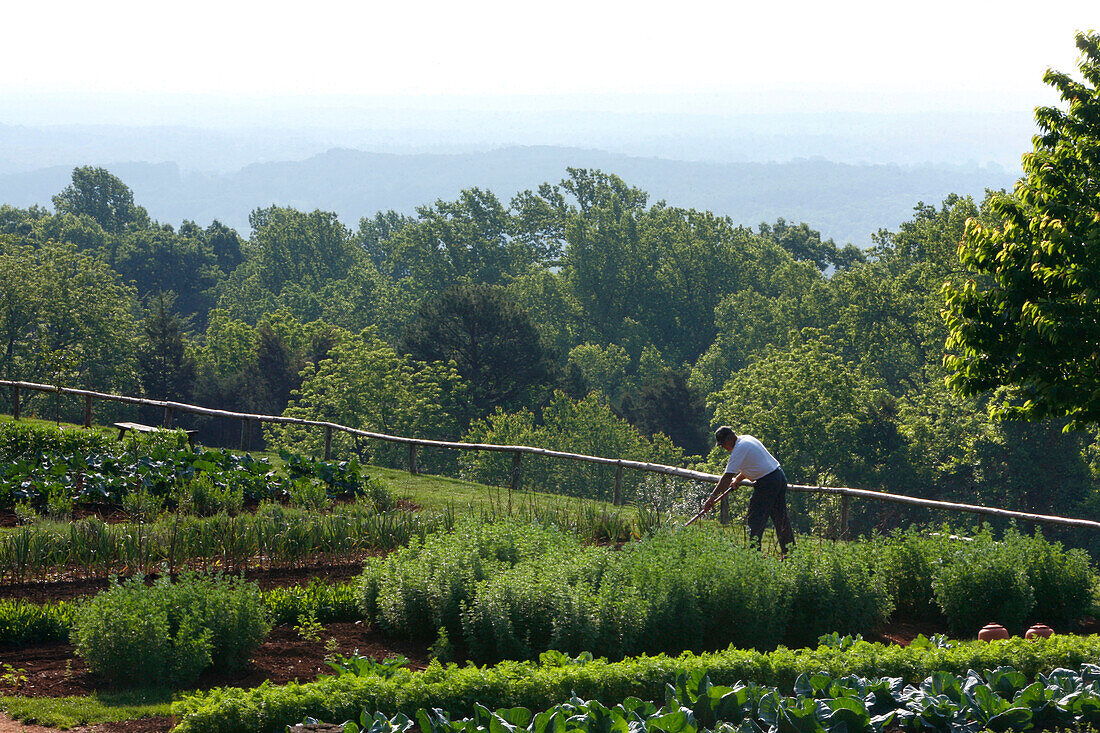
<point>23,623</point>
<point>309,628</point>
<point>360,666</point>
<point>979,583</point>
<point>309,494</point>
<point>833,589</point>
<point>695,700</point>
<point>168,633</point>
<point>12,676</point>
<point>1059,578</point>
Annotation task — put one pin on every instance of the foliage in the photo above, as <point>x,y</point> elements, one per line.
<point>834,588</point>
<point>1027,317</point>
<point>274,534</point>
<point>491,341</point>
<point>38,463</point>
<point>458,690</point>
<point>25,624</point>
<point>998,700</point>
<point>586,426</point>
<point>789,394</point>
<point>516,589</point>
<point>365,384</point>
<point>976,586</point>
<point>169,632</point>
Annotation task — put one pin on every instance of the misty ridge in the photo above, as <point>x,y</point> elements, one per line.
<point>846,174</point>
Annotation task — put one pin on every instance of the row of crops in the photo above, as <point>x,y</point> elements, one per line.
<point>508,590</point>
<point>44,470</point>
<point>273,535</point>
<point>996,700</point>
<point>926,686</point>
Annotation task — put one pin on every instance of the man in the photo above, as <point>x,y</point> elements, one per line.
<point>749,459</point>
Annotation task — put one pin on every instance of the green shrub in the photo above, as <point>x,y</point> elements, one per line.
<point>833,589</point>
<point>905,563</point>
<point>1059,578</point>
<point>377,494</point>
<point>229,608</point>
<point>980,582</point>
<point>703,590</point>
<point>169,633</point>
<point>203,497</point>
<point>124,635</point>
<point>422,587</point>
<point>536,605</point>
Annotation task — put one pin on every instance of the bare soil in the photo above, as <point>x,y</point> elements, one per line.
<point>53,670</point>
<point>65,588</point>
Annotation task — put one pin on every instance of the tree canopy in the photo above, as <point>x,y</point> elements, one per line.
<point>1029,316</point>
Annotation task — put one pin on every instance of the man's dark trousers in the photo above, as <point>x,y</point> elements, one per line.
<point>769,499</point>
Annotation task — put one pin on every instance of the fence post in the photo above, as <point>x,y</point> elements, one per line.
<point>15,402</point>
<point>843,516</point>
<point>412,458</point>
<point>617,499</point>
<point>724,510</point>
<point>246,434</point>
<point>328,442</point>
<point>167,416</point>
<point>514,486</point>
<point>87,411</point>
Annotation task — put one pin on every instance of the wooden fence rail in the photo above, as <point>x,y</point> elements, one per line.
<point>248,419</point>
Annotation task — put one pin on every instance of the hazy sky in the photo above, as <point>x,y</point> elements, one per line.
<point>613,54</point>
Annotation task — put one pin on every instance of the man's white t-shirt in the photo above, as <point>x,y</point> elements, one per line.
<point>750,457</point>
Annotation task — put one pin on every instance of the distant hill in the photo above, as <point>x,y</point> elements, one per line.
<point>844,201</point>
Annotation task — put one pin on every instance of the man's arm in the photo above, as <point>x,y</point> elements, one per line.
<point>723,484</point>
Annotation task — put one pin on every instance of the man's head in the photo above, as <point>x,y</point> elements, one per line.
<point>725,437</point>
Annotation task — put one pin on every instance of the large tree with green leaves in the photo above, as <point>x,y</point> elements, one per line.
<point>490,340</point>
<point>1029,318</point>
<point>102,196</point>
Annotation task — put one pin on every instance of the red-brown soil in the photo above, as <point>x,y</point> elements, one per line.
<point>53,670</point>
<point>329,569</point>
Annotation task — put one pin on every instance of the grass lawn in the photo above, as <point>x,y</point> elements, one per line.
<point>68,712</point>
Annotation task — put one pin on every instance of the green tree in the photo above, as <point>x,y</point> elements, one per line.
<point>490,340</point>
<point>102,196</point>
<point>363,383</point>
<point>579,426</point>
<point>166,367</point>
<point>806,405</point>
<point>804,243</point>
<point>156,259</point>
<point>293,247</point>
<point>1029,318</point>
<point>54,299</point>
<point>664,403</point>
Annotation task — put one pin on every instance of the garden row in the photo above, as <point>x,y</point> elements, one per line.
<point>52,471</point>
<point>998,700</point>
<point>274,535</point>
<point>509,590</point>
<point>463,691</point>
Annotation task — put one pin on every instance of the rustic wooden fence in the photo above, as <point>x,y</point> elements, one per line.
<point>518,451</point>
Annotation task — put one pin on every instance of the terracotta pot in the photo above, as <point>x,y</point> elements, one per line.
<point>990,632</point>
<point>1039,630</point>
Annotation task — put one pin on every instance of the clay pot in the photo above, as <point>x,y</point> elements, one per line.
<point>991,632</point>
<point>1039,630</point>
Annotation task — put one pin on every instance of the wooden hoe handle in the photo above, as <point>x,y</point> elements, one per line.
<point>717,499</point>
